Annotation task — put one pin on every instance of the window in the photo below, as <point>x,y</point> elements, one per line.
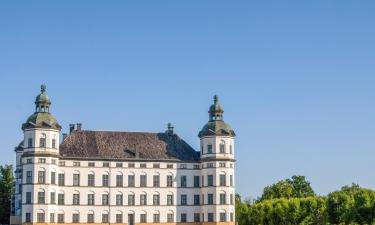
<point>156,218</point>
<point>223,217</point>
<point>210,199</point>
<point>53,197</point>
<point>156,165</point>
<point>30,143</point>
<point>29,160</point>
<point>91,164</point>
<point>156,181</point>
<point>223,200</point>
<point>28,197</point>
<point>196,200</point>
<point>222,164</point>
<point>105,218</point>
<point>53,161</point>
<point>230,149</point>
<point>41,197</point>
<point>143,218</point>
<point>210,217</point>
<point>197,217</point>
<point>183,181</point>
<point>183,200</point>
<point>90,199</point>
<point>119,199</point>
<point>131,199</point>
<point>28,217</point>
<point>41,160</point>
<point>119,218</point>
<point>169,199</point>
<point>131,165</point>
<point>202,181</point>
<point>209,149</point>
<point>42,142</point>
<point>231,199</point>
<point>75,218</point>
<point>183,218</point>
<point>60,218</point>
<point>40,217</point>
<point>143,180</point>
<point>183,166</point>
<point>169,166</point>
<point>223,180</point>
<point>169,181</point>
<point>90,218</point>
<point>53,143</point>
<point>119,180</point>
<point>60,199</point>
<point>196,181</point>
<point>210,180</point>
<point>105,199</point>
<point>75,199</point>
<point>76,164</point>
<point>210,165</point>
<point>105,164</point>
<point>142,165</point>
<point>105,180</point>
<point>52,218</point>
<point>53,177</point>
<point>231,180</point>
<point>119,165</point>
<point>170,217</point>
<point>156,200</point>
<point>91,180</point>
<point>222,148</point>
<point>61,179</point>
<point>61,163</point>
<point>231,217</point>
<point>29,177</point>
<point>131,181</point>
<point>41,177</point>
<point>75,179</point>
<point>143,199</point>
<point>196,167</point>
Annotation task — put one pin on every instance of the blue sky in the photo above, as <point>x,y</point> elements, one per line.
<point>296,78</point>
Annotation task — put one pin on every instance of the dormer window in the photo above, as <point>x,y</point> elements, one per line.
<point>209,149</point>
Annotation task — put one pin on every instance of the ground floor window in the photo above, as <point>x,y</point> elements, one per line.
<point>210,217</point>
<point>40,217</point>
<point>143,218</point>
<point>223,217</point>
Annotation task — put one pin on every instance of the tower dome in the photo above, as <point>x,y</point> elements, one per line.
<point>42,118</point>
<point>216,125</point>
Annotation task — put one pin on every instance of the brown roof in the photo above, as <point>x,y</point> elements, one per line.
<point>127,145</point>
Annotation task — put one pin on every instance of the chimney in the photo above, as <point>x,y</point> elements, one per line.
<point>71,128</point>
<point>79,126</point>
<point>64,136</point>
<point>170,129</point>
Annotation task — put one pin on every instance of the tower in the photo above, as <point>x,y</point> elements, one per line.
<point>217,157</point>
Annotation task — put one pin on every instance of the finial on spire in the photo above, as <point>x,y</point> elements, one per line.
<point>43,88</point>
<point>170,128</point>
<point>216,99</point>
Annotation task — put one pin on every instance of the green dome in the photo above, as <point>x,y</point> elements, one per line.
<point>216,128</point>
<point>42,98</point>
<point>41,120</point>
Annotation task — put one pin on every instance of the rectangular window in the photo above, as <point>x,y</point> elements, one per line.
<point>41,160</point>
<point>183,218</point>
<point>223,217</point>
<point>183,166</point>
<point>210,217</point>
<point>131,181</point>
<point>231,217</point>
<point>52,218</point>
<point>143,180</point>
<point>91,164</point>
<point>90,218</point>
<point>60,199</point>
<point>119,199</point>
<point>223,198</point>
<point>105,164</point>
<point>91,180</point>
<point>231,180</point>
<point>53,177</point>
<point>210,180</point>
<point>105,180</point>
<point>183,181</point>
<point>222,148</point>
<point>75,218</point>
<point>169,199</point>
<point>169,166</point>
<point>143,199</point>
<point>197,217</point>
<point>105,218</point>
<point>75,199</point>
<point>28,197</point>
<point>41,197</point>
<point>61,179</point>
<point>156,200</point>
<point>53,143</point>
<point>42,142</point>
<point>118,164</point>
<point>40,217</point>
<point>223,181</point>
<point>30,143</point>
<point>41,177</point>
<point>131,165</point>
<point>53,197</point>
<point>105,199</point>
<point>169,181</point>
<point>196,200</point>
<point>222,165</point>
<point>29,160</point>
<point>231,199</point>
<point>156,165</point>
<point>202,199</point>
<point>143,218</point>
<point>27,217</point>
<point>209,149</point>
<point>53,161</point>
<point>170,217</point>
<point>183,200</point>
<point>119,180</point>
<point>230,149</point>
<point>210,199</point>
<point>143,165</point>
<point>119,218</point>
<point>196,167</point>
<point>156,181</point>
<point>90,199</point>
<point>156,218</point>
<point>210,165</point>
<point>75,179</point>
<point>131,200</point>
<point>61,163</point>
<point>196,181</point>
<point>60,218</point>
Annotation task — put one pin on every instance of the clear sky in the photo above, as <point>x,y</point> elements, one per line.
<point>296,78</point>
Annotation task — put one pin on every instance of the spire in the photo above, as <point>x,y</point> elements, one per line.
<point>42,101</point>
<point>216,111</point>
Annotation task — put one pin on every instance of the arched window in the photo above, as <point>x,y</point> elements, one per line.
<point>170,216</point>
<point>156,216</point>
<point>90,216</point>
<point>143,217</point>
<point>105,216</point>
<point>75,216</point>
<point>119,217</point>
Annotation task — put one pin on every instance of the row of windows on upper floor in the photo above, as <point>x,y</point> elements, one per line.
<point>41,179</point>
<point>196,199</point>
<point>222,149</point>
<point>42,142</point>
<point>197,217</point>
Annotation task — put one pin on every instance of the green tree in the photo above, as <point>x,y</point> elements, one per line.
<point>301,187</point>
<point>6,192</point>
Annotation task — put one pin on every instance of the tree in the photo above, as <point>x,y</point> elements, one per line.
<point>301,187</point>
<point>6,192</point>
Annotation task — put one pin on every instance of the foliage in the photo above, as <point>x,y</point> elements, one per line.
<point>6,192</point>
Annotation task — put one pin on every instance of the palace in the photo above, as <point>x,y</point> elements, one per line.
<point>129,178</point>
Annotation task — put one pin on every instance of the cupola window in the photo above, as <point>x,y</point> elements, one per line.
<point>30,142</point>
<point>222,147</point>
<point>209,149</point>
<point>42,141</point>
